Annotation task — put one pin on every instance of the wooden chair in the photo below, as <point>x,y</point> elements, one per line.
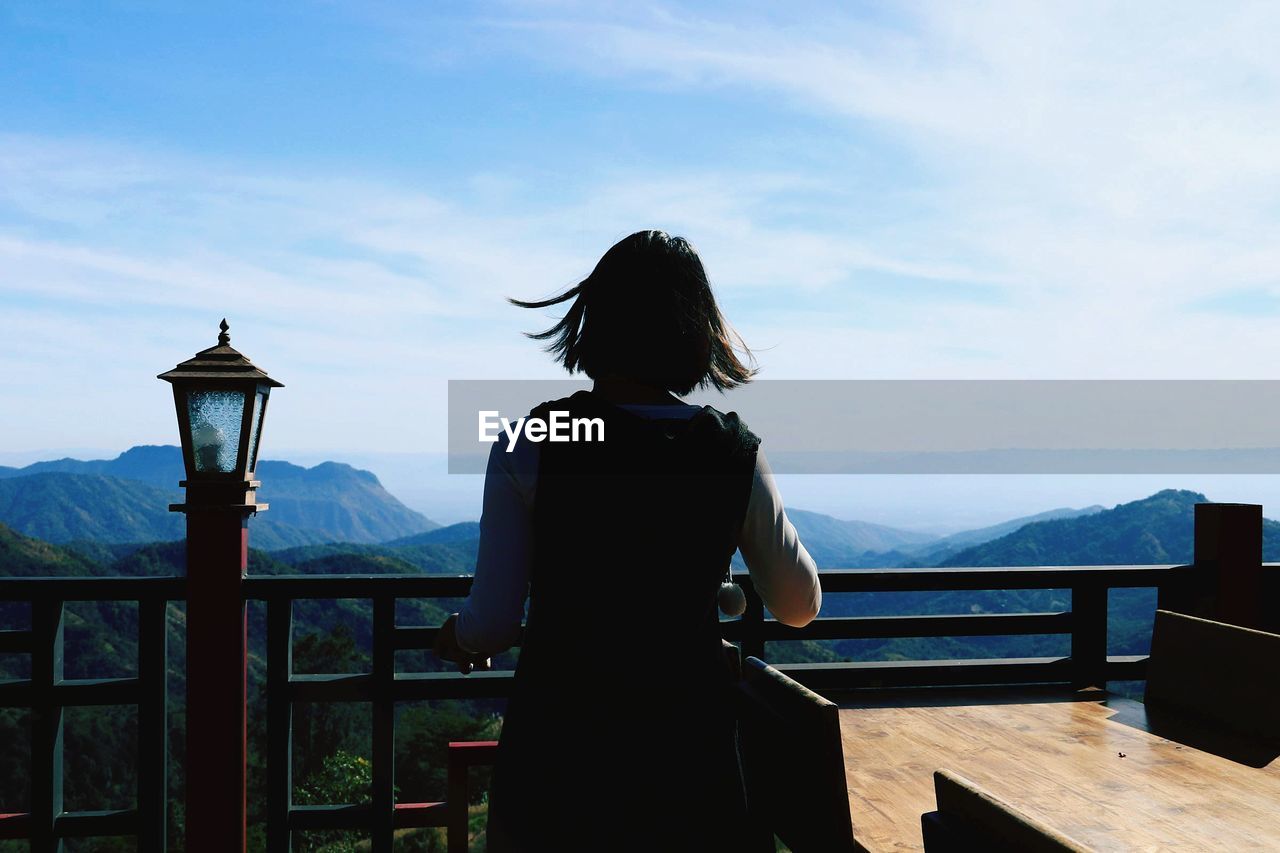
<point>793,762</point>
<point>969,818</point>
<point>1217,674</point>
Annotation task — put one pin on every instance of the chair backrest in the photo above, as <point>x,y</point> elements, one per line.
<point>1217,673</point>
<point>793,761</point>
<point>970,818</point>
<point>732,659</point>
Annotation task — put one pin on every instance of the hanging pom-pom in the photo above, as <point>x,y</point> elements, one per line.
<point>733,601</point>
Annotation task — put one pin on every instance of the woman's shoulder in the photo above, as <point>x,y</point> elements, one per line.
<point>730,426</point>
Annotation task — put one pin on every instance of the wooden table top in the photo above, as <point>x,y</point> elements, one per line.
<point>1091,765</point>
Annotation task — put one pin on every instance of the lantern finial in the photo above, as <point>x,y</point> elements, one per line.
<point>223,338</point>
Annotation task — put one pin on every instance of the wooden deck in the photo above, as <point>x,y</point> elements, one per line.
<point>1091,765</point>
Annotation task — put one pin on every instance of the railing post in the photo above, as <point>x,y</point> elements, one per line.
<point>217,558</point>
<point>1230,584</point>
<point>384,722</point>
<point>279,724</point>
<point>153,725</point>
<point>1089,636</point>
<point>457,798</point>
<point>46,726</point>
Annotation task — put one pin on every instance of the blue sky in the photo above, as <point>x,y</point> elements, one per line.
<point>941,190</point>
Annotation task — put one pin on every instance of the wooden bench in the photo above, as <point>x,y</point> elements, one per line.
<point>793,762</point>
<point>1219,675</point>
<point>969,818</point>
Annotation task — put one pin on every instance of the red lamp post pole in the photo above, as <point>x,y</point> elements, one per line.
<point>217,559</point>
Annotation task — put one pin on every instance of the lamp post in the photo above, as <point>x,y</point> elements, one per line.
<point>221,401</point>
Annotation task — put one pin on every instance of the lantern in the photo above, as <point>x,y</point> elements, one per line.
<point>221,401</point>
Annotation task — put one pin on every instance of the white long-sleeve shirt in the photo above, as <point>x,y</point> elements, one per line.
<point>781,569</point>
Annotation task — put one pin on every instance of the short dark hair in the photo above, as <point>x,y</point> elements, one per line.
<point>646,312</point>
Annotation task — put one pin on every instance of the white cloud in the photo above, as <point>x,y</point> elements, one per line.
<point>118,263</point>
<point>1107,159</point>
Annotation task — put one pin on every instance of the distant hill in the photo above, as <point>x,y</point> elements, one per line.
<point>91,508</point>
<point>995,531</point>
<point>346,503</point>
<point>836,543</point>
<point>158,465</point>
<point>933,553</point>
<point>1156,529</point>
<point>58,507</point>
<point>460,532</point>
<point>126,500</point>
<point>24,557</point>
<point>105,553</point>
<point>453,551</point>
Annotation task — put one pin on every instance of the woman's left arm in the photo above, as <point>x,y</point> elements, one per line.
<point>782,571</point>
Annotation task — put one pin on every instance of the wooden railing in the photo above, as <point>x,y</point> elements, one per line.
<point>1085,623</point>
<point>46,694</point>
<point>1208,583</point>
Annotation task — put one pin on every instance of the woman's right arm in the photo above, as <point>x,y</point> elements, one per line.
<point>489,621</point>
<point>781,569</point>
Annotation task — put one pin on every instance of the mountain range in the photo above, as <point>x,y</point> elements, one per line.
<point>126,499</point>
<point>1157,529</point>
<point>331,513</point>
<point>834,543</point>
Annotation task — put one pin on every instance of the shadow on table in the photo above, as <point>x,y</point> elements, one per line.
<point>1197,734</point>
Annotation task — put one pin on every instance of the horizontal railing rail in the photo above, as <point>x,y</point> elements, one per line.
<point>1085,623</point>
<point>120,588</point>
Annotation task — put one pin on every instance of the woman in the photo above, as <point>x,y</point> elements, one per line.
<point>619,734</point>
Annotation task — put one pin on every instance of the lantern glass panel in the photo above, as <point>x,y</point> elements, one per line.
<point>255,430</point>
<point>215,429</point>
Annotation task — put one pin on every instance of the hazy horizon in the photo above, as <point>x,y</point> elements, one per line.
<point>937,504</point>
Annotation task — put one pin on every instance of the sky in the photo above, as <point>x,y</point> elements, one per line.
<point>933,190</point>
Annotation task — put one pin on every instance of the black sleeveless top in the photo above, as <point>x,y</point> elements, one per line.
<point>619,734</point>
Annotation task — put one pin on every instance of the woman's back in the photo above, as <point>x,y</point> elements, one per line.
<point>621,698</point>
<point>638,527</point>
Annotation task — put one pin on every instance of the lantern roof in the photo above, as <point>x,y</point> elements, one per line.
<point>220,362</point>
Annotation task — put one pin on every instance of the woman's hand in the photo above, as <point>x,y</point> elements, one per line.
<point>447,648</point>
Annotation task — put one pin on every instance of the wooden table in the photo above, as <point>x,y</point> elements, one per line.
<point>1091,765</point>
